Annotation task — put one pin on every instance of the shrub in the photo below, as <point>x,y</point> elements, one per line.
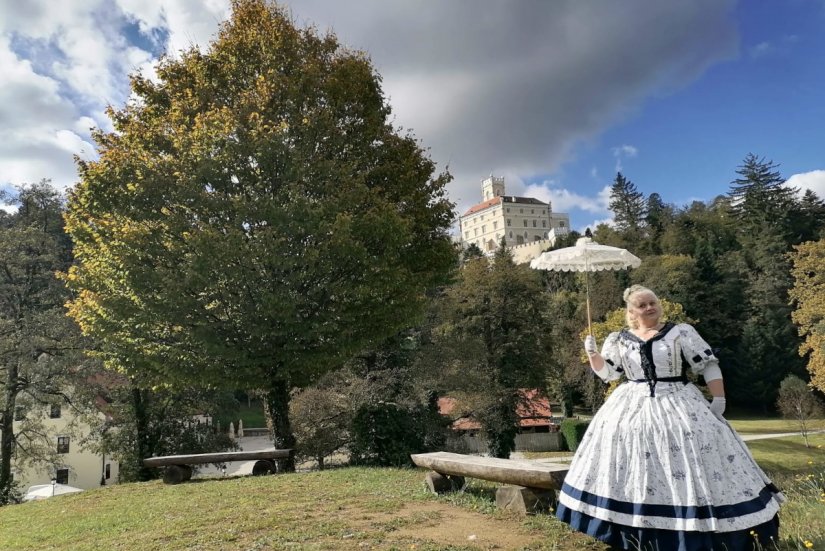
<point>572,431</point>
<point>385,434</point>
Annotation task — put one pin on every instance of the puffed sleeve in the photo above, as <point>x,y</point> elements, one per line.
<point>697,352</point>
<point>612,355</point>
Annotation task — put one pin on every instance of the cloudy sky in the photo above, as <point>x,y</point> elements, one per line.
<point>555,95</point>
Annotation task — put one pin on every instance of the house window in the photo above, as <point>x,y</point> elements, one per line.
<point>484,228</point>
<point>544,223</point>
<point>511,235</point>
<point>534,223</point>
<point>466,235</point>
<point>531,211</point>
<point>62,476</point>
<point>495,225</point>
<point>561,224</point>
<point>108,471</point>
<point>521,211</point>
<point>19,413</point>
<point>508,209</point>
<point>508,221</point>
<point>54,412</point>
<point>62,444</point>
<point>525,223</point>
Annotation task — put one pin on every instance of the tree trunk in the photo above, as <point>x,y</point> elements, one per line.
<point>142,450</point>
<point>7,433</point>
<point>276,409</point>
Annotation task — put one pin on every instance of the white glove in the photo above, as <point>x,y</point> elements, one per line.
<point>717,406</point>
<point>590,345</point>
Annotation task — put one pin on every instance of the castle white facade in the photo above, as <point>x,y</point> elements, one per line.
<point>527,225</point>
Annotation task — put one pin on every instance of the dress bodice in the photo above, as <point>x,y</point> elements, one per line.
<point>668,354</point>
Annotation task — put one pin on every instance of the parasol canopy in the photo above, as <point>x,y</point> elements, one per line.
<point>43,491</point>
<point>586,256</point>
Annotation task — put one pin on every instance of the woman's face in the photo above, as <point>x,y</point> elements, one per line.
<point>644,307</point>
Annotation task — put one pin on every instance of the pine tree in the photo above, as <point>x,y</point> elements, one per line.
<point>627,205</point>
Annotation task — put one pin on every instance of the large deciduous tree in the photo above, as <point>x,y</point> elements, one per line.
<point>254,219</point>
<point>808,293</point>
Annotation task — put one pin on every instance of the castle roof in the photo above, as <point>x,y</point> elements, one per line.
<point>505,199</point>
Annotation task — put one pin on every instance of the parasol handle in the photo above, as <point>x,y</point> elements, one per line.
<point>587,291</point>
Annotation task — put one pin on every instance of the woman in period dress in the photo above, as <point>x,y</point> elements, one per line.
<point>659,468</point>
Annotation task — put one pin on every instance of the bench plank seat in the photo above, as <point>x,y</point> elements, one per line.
<point>507,471</point>
<point>218,457</point>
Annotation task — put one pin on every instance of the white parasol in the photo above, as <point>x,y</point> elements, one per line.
<point>587,256</point>
<point>43,491</point>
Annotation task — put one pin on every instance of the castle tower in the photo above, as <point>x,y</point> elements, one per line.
<point>492,187</point>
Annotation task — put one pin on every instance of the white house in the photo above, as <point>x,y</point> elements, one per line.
<point>76,465</point>
<point>527,225</point>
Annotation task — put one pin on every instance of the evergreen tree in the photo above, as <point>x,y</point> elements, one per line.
<point>494,325</point>
<point>758,196</point>
<point>628,206</point>
<point>40,362</point>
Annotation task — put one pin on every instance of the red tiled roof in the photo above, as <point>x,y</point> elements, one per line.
<point>505,198</point>
<point>481,206</point>
<point>533,411</point>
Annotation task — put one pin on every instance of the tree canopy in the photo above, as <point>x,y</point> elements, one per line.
<point>254,219</point>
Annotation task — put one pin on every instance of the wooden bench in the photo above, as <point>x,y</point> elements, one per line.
<point>178,467</point>
<point>531,486</point>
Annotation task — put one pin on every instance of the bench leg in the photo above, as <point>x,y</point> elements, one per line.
<point>263,466</point>
<point>525,500</point>
<point>441,483</point>
<point>175,474</point>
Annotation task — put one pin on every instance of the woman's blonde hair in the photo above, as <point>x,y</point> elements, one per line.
<point>632,291</point>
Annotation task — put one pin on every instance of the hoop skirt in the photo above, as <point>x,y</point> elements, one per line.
<point>656,469</point>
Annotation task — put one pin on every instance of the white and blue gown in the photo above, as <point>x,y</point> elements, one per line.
<point>656,469</point>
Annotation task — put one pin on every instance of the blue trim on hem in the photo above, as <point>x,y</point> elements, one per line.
<point>674,511</point>
<point>657,539</point>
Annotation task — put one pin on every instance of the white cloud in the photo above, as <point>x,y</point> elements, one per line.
<point>482,84</point>
<point>596,223</point>
<point>814,181</point>
<point>626,152</point>
<point>564,200</point>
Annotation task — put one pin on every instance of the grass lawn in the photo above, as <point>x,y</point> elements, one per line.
<point>349,508</point>
<point>747,425</point>
<point>252,414</point>
<point>353,508</point>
